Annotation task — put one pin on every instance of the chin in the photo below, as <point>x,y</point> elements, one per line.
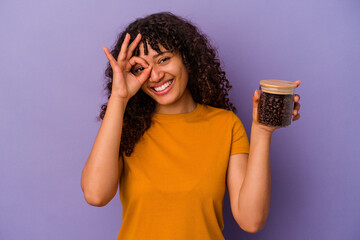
<point>162,100</point>
<point>165,101</point>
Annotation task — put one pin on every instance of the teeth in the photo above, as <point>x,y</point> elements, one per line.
<point>158,89</point>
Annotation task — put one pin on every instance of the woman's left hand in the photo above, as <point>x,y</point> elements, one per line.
<point>269,129</point>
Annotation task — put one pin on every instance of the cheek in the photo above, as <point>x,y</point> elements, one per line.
<point>145,89</point>
<point>184,76</point>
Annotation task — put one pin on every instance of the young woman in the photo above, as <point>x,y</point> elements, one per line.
<point>170,139</point>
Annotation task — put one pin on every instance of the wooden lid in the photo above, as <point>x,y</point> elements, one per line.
<point>277,83</point>
<point>277,86</point>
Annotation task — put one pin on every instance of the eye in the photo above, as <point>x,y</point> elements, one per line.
<point>164,59</point>
<point>138,69</point>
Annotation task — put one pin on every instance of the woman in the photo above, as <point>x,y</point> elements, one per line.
<point>170,140</point>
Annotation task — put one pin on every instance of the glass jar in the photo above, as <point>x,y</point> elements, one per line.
<point>276,103</point>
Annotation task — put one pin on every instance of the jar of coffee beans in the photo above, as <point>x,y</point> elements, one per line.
<point>276,103</point>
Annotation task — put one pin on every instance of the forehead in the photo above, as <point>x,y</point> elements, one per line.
<point>151,52</point>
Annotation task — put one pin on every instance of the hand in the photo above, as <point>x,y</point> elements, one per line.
<point>124,83</point>
<point>296,109</point>
<point>269,129</point>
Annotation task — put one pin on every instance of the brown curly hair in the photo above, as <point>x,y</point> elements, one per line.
<point>207,81</point>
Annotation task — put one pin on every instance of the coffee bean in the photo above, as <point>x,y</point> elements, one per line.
<point>275,109</point>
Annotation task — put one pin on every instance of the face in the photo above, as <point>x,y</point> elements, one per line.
<point>167,83</point>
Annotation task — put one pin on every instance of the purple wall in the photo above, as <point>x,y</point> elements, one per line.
<point>51,71</point>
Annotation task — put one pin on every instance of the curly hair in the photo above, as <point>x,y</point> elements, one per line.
<point>207,81</point>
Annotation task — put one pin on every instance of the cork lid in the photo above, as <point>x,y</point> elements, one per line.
<point>277,86</point>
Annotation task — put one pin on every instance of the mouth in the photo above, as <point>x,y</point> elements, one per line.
<point>165,88</point>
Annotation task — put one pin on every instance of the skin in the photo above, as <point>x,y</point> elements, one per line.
<point>248,177</point>
<point>165,66</point>
<point>125,83</point>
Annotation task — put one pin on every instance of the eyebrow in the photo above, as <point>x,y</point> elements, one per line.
<point>161,53</point>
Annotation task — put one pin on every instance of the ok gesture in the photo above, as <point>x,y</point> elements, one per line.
<point>125,84</point>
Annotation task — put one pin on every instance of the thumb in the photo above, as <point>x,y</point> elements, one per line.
<point>256,98</point>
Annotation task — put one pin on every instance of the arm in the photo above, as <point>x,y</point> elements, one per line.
<point>101,174</point>
<point>249,175</point>
<point>253,198</point>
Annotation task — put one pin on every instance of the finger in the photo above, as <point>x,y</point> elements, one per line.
<point>110,57</point>
<point>133,45</point>
<point>296,109</point>
<point>297,82</point>
<point>136,60</point>
<point>297,106</point>
<point>296,98</point>
<point>145,75</point>
<point>123,49</point>
<point>296,117</point>
<point>256,98</point>
<point>256,95</point>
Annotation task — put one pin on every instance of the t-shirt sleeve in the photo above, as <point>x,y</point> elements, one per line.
<point>239,141</point>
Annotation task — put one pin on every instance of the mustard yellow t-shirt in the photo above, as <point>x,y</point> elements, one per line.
<point>173,185</point>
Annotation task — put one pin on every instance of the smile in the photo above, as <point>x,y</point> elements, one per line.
<point>164,88</point>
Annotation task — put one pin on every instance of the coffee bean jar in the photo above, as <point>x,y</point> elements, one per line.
<point>276,103</point>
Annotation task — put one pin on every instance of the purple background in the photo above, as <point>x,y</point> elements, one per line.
<point>51,80</point>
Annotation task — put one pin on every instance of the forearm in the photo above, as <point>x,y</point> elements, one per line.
<point>254,196</point>
<point>101,173</point>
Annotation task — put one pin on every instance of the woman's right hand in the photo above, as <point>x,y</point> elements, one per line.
<point>125,84</point>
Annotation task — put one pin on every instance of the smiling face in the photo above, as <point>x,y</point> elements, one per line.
<point>167,83</point>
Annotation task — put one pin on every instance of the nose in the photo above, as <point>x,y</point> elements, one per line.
<point>156,74</point>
